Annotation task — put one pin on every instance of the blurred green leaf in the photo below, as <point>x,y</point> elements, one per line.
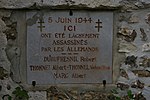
<point>114,91</point>
<point>9,98</point>
<point>118,98</point>
<point>20,93</point>
<point>130,94</point>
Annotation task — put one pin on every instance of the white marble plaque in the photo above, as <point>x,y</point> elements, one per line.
<point>65,47</point>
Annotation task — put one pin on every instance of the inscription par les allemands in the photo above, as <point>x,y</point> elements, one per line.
<point>69,49</point>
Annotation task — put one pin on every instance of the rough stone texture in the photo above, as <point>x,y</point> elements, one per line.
<point>136,64</point>
<point>3,73</point>
<point>146,47</point>
<point>38,95</point>
<point>132,18</point>
<point>3,43</point>
<point>8,86</point>
<point>127,47</point>
<point>54,93</point>
<point>109,4</point>
<point>14,4</point>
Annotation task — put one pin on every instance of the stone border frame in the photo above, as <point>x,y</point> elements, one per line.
<point>21,42</point>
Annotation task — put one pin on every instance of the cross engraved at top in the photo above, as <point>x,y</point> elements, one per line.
<point>99,25</point>
<point>41,26</point>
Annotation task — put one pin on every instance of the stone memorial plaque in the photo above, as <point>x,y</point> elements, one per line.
<point>65,47</point>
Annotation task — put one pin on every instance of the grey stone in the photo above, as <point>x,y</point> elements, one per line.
<point>146,92</point>
<point>146,47</point>
<point>42,52</point>
<point>127,47</point>
<point>124,74</point>
<point>137,84</point>
<point>122,86</point>
<point>127,34</point>
<point>55,93</point>
<point>4,62</point>
<point>147,18</point>
<point>129,5</point>
<point>5,13</point>
<point>142,73</point>
<point>13,54</point>
<point>3,73</point>
<point>131,60</point>
<point>11,31</point>
<point>87,96</point>
<point>2,26</point>
<point>3,41</point>
<point>17,4</point>
<point>73,94</point>
<point>133,19</point>
<point>3,58</point>
<point>125,31</point>
<point>144,62</point>
<point>143,35</point>
<point>136,21</point>
<point>123,80</point>
<point>37,95</point>
<point>146,2</point>
<point>14,4</point>
<point>5,83</point>
<point>95,95</point>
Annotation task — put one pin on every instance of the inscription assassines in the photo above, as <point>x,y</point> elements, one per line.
<point>66,49</point>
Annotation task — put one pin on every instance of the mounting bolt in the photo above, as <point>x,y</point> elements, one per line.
<point>33,83</point>
<point>70,13</point>
<point>104,83</point>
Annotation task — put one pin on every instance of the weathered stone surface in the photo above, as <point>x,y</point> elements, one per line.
<point>137,84</point>
<point>123,17</point>
<point>144,62</point>
<point>3,42</point>
<point>131,60</point>
<point>146,92</point>
<point>14,4</point>
<point>122,83</point>
<point>142,73</point>
<point>147,18</point>
<point>139,96</point>
<point>53,93</point>
<point>8,86</point>
<point>5,13</point>
<point>130,4</point>
<point>122,86</point>
<point>132,77</point>
<point>146,2</point>
<point>37,95</point>
<point>133,19</point>
<point>143,35</point>
<point>3,73</point>
<point>124,74</point>
<point>127,34</point>
<point>127,47</point>
<point>2,26</point>
<point>146,47</point>
<point>11,32</point>
<point>95,95</point>
<point>74,49</point>
<point>3,58</point>
<point>9,49</point>
<point>13,54</point>
<point>134,4</point>
<point>137,21</point>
